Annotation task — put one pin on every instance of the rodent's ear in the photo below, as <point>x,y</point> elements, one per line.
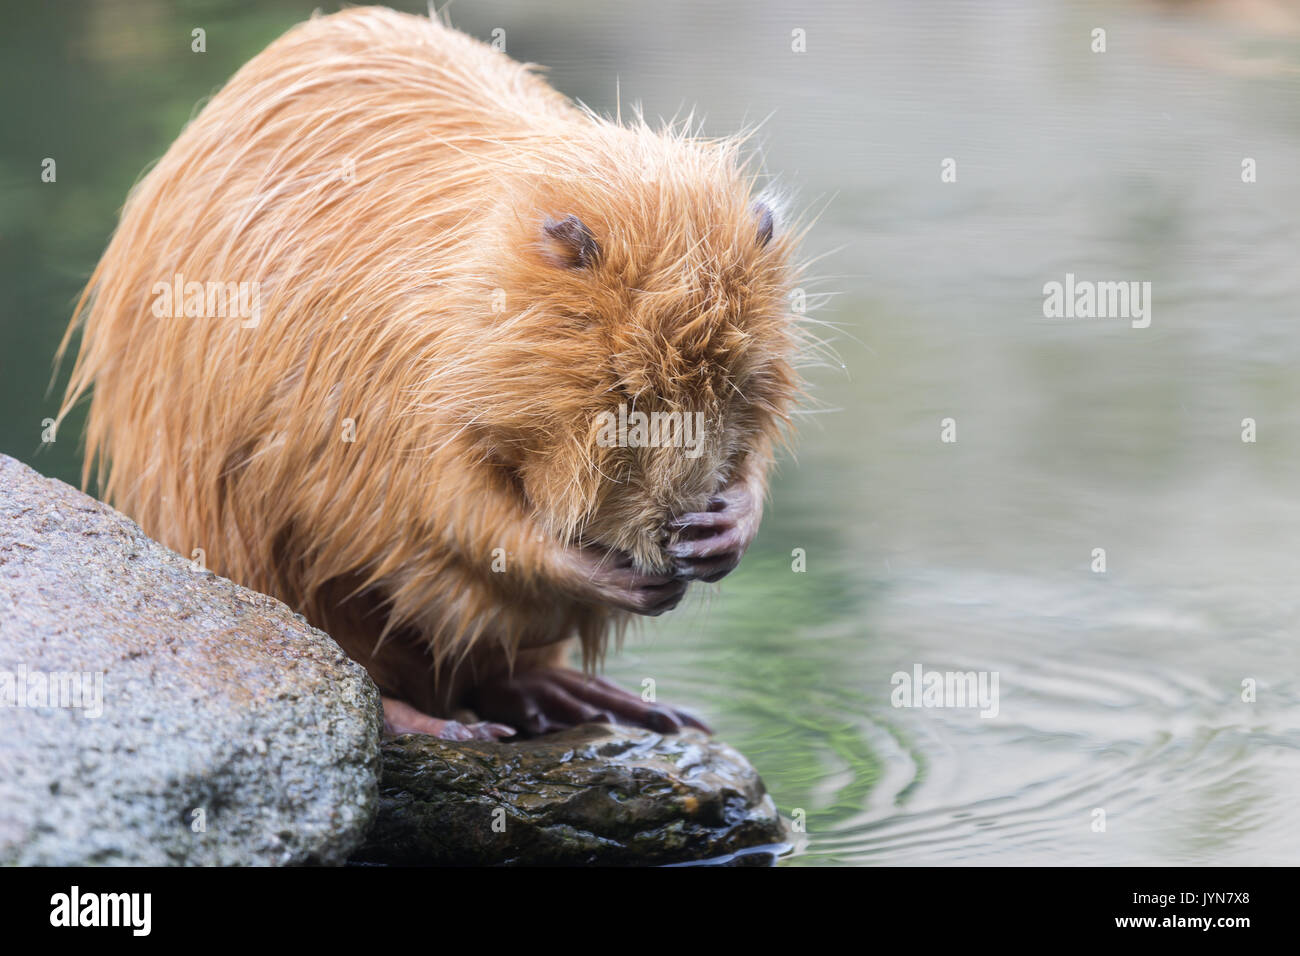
<point>766,223</point>
<point>569,243</point>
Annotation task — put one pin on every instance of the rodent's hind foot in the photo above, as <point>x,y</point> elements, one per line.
<point>555,698</point>
<point>401,718</point>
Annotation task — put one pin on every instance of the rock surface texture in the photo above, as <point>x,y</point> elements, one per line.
<point>151,713</point>
<point>594,794</point>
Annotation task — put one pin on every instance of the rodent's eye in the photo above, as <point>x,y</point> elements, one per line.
<point>766,223</point>
<point>569,243</point>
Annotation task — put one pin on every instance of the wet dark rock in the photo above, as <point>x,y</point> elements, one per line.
<point>214,699</point>
<point>594,794</point>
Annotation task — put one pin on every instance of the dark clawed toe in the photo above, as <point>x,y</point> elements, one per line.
<point>709,558</point>
<point>454,730</point>
<point>621,583</point>
<point>624,706</point>
<point>491,731</point>
<point>653,600</point>
<point>669,720</point>
<point>712,571</point>
<point>690,720</point>
<point>708,547</point>
<point>701,520</point>
<point>401,718</point>
<point>542,701</point>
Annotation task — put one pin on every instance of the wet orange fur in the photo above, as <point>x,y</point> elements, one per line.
<point>419,298</point>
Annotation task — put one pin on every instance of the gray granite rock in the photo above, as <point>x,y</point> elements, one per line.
<point>593,794</point>
<point>212,698</point>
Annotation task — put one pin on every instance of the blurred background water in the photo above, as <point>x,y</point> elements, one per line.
<point>1119,691</point>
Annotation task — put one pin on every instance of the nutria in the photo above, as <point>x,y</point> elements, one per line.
<point>417,284</point>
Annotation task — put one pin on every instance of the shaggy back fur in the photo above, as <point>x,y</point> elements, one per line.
<point>387,182</point>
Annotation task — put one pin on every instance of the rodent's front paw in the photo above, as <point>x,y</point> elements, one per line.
<point>616,581</point>
<point>709,544</point>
